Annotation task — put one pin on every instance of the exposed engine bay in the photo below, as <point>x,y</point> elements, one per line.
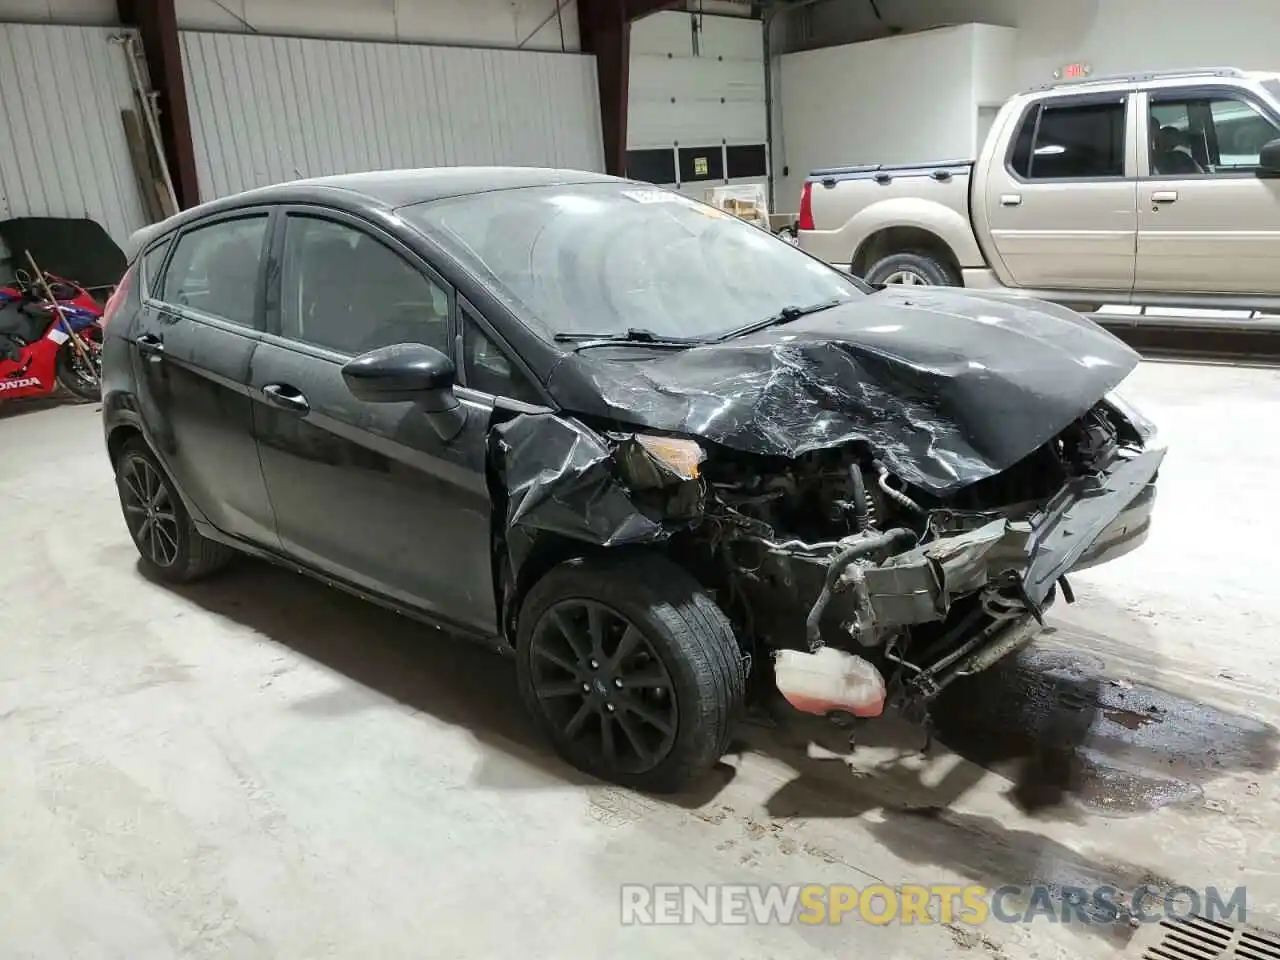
<point>830,550</point>
<point>892,488</point>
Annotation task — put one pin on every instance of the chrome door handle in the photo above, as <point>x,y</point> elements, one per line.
<point>286,398</point>
<point>1164,196</point>
<point>1011,199</point>
<point>150,344</point>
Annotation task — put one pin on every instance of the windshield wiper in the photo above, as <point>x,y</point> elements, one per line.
<point>785,315</point>
<point>632,335</point>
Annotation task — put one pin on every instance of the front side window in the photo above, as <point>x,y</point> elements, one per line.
<point>1076,140</point>
<point>1191,136</point>
<point>488,369</point>
<point>344,290</point>
<point>215,269</point>
<point>607,258</point>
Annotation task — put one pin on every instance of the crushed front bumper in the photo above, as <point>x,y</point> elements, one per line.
<point>1014,566</point>
<point>1090,521</point>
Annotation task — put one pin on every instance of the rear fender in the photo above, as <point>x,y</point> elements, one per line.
<point>950,227</point>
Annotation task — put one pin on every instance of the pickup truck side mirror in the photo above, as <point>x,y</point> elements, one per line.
<point>1269,159</point>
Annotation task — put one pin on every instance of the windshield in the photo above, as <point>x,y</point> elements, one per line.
<point>605,258</point>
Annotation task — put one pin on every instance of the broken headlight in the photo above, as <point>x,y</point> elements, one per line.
<point>649,460</point>
<point>682,457</point>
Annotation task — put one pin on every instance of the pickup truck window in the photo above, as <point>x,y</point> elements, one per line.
<point>1198,135</point>
<point>1077,140</point>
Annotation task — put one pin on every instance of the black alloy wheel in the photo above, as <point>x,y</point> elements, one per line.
<point>149,511</point>
<point>630,668</point>
<point>602,685</point>
<point>171,547</point>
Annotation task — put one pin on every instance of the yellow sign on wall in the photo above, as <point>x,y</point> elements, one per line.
<point>699,166</point>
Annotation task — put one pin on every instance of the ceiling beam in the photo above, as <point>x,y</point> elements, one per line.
<point>157,24</point>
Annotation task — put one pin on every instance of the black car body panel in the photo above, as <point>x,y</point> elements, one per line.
<point>944,387</point>
<point>561,477</point>
<point>368,494</point>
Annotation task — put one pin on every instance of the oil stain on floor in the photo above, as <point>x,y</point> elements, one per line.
<point>1062,729</point>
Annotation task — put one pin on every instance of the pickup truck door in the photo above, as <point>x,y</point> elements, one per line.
<point>1061,203</point>
<point>1207,223</point>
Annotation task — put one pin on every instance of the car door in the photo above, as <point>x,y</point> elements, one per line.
<point>366,492</point>
<point>1207,223</point>
<point>1062,205</point>
<point>192,348</point>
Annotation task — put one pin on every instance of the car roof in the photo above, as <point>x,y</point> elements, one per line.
<point>396,188</point>
<point>386,189</point>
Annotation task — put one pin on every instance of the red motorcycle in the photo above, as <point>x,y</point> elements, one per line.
<point>45,343</point>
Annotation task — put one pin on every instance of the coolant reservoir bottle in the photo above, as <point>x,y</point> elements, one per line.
<point>829,680</point>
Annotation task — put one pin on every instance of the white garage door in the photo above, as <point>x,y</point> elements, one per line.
<point>62,145</point>
<point>270,109</point>
<point>696,115</point>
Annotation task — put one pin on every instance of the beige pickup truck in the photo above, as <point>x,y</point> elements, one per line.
<point>1160,189</point>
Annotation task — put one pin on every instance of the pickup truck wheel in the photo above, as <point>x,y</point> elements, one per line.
<point>631,670</point>
<point>912,269</point>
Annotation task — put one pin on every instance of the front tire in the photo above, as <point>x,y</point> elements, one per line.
<point>912,268</point>
<point>170,546</point>
<point>71,373</point>
<point>631,670</point>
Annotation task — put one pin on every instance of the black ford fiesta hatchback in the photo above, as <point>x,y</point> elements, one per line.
<point>641,444</point>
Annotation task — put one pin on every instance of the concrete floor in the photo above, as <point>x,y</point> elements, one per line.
<point>260,767</point>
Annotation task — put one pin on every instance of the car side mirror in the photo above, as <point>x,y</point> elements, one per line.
<point>1269,159</point>
<point>409,373</point>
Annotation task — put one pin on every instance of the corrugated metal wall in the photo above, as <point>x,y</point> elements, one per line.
<point>62,145</point>
<point>269,109</point>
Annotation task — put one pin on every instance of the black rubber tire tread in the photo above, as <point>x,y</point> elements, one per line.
<point>928,265</point>
<point>198,556</point>
<point>689,631</point>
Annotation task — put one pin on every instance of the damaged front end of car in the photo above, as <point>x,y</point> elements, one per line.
<point>856,586</point>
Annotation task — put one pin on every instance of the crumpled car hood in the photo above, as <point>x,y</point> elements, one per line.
<point>946,386</point>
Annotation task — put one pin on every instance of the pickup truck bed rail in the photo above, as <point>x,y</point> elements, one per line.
<point>884,173</point>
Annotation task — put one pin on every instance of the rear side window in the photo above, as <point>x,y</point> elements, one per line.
<point>1080,140</point>
<point>215,269</point>
<point>152,262</point>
